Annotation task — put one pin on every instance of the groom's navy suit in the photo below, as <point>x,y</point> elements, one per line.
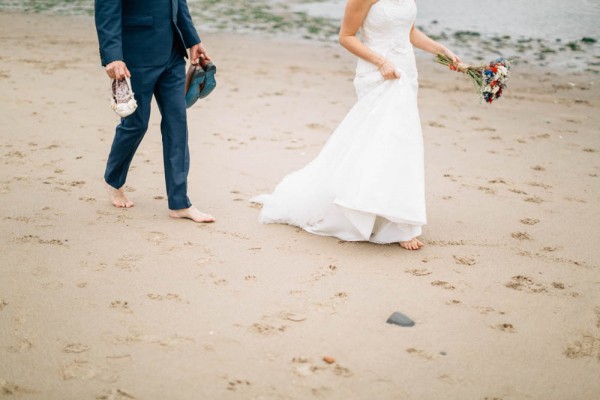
<point>151,37</point>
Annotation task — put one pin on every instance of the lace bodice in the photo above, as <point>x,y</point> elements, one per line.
<point>386,30</point>
<point>388,25</point>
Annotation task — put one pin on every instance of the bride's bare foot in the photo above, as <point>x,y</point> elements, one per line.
<point>117,197</point>
<point>413,244</point>
<point>192,213</point>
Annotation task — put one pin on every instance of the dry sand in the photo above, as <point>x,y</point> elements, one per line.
<point>103,303</point>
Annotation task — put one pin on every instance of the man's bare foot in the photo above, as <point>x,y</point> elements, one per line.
<point>413,244</point>
<point>192,213</point>
<point>117,197</point>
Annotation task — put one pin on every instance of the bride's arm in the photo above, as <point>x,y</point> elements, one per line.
<point>425,43</point>
<point>356,12</point>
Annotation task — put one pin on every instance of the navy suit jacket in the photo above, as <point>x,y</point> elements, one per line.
<point>142,32</point>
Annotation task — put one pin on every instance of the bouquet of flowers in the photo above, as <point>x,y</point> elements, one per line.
<point>490,79</point>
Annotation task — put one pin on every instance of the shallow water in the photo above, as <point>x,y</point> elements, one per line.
<point>545,32</point>
<point>567,20</point>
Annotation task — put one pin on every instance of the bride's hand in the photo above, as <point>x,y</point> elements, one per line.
<point>455,59</point>
<point>389,71</point>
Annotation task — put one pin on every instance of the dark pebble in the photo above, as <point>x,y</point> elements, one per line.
<point>400,319</point>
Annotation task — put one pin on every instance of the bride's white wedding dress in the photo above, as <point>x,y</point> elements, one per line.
<point>367,183</point>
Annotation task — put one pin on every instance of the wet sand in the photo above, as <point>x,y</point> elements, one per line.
<point>102,303</point>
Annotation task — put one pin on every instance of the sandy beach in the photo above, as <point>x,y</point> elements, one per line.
<point>109,304</point>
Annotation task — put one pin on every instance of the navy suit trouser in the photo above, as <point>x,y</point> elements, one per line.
<point>167,84</point>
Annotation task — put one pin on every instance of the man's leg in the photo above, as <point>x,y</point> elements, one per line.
<point>170,97</point>
<point>129,134</point>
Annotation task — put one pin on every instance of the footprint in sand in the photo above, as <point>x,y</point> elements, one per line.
<point>485,129</point>
<point>487,310</point>
<point>525,283</point>
<point>121,306</point>
<point>520,236</point>
<point>464,260</point>
<point>342,371</point>
<point>498,181</point>
<point>539,184</point>
<point>435,124</point>
<point>442,284</point>
<point>76,348</point>
<point>323,272</point>
<point>12,389</point>
<point>418,272</point>
<point>586,346</point>
<point>318,127</point>
<point>38,240</point>
<point>266,329</point>
<point>237,384</point>
<point>420,353</point>
<point>85,370</point>
<point>307,366</point>
<point>505,327</point>
<point>534,199</point>
<point>155,237</point>
<point>575,199</point>
<point>169,297</point>
<point>517,191</point>
<point>530,221</point>
<point>444,243</point>
<point>128,261</point>
<point>486,190</point>
<point>23,345</point>
<point>115,394</point>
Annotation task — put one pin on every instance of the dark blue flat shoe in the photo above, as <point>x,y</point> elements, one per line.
<point>210,82</point>
<point>200,82</point>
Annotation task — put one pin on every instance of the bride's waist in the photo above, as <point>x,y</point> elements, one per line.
<point>388,48</point>
<point>404,61</point>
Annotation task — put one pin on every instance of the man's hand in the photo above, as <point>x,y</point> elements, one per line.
<point>117,70</point>
<point>198,51</point>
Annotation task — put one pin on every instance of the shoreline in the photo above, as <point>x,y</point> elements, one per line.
<point>270,20</point>
<point>102,303</point>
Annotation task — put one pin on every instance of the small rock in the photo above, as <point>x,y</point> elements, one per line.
<point>400,319</point>
<point>329,359</point>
